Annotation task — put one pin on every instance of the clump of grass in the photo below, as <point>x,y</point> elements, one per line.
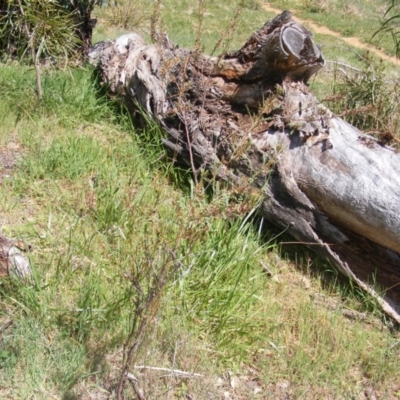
<point>219,286</point>
<point>124,14</point>
<point>17,90</point>
<point>70,96</point>
<point>368,99</point>
<point>315,6</point>
<point>255,5</point>
<point>45,359</point>
<point>68,157</point>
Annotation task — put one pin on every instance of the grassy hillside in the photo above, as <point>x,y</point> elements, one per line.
<point>128,253</point>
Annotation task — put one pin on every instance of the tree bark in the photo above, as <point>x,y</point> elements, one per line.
<point>249,117</point>
<point>13,262</point>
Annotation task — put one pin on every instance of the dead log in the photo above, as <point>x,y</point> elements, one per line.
<point>248,116</point>
<point>13,261</point>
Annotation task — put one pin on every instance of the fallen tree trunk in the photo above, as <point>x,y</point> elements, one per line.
<point>249,116</point>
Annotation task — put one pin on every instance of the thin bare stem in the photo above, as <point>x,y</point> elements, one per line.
<point>146,307</point>
<point>228,33</point>
<point>172,371</point>
<point>134,382</point>
<point>199,33</point>
<point>155,21</point>
<point>35,56</point>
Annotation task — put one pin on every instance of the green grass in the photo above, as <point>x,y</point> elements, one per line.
<point>181,21</point>
<point>107,216</point>
<point>223,28</point>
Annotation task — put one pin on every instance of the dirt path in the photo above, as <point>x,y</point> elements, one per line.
<point>323,30</point>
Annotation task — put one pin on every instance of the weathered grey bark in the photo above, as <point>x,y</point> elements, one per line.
<point>330,186</point>
<point>13,262</point>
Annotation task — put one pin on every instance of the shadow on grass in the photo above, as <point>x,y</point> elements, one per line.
<point>305,260</point>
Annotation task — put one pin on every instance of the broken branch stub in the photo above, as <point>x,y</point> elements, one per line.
<point>331,185</point>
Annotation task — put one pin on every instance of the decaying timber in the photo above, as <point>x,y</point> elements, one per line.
<point>13,261</point>
<point>332,186</point>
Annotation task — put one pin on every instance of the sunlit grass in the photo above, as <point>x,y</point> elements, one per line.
<point>104,211</point>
